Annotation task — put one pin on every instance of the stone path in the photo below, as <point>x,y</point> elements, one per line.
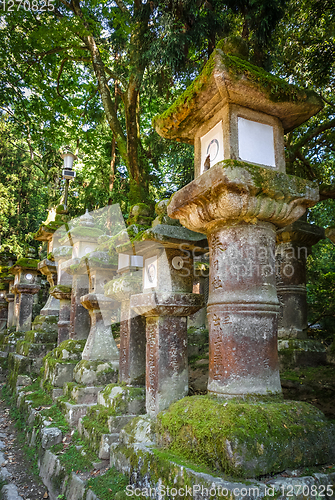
<point>15,466</point>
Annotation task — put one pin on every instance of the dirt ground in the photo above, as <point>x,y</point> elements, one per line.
<point>15,466</point>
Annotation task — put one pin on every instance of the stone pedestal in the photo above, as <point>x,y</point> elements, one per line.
<point>84,240</point>
<point>10,317</point>
<point>238,207</point>
<point>79,316</point>
<point>3,312</point>
<point>49,269</point>
<point>294,243</point>
<point>100,343</point>
<point>132,329</point>
<point>63,294</point>
<point>166,350</point>
<point>25,294</point>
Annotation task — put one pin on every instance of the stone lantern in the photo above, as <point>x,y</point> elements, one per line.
<point>100,343</point>
<point>84,240</point>
<point>26,285</point>
<point>48,267</point>
<point>236,115</point>
<point>166,301</point>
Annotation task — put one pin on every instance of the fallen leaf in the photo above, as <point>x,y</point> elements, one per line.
<point>45,495</point>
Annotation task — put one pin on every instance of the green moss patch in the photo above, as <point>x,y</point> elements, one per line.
<point>250,439</point>
<point>108,484</point>
<point>25,264</point>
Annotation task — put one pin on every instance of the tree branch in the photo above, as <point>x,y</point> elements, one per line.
<point>122,6</point>
<point>59,75</point>
<point>314,133</point>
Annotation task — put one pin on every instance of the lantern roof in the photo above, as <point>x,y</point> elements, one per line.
<point>228,79</point>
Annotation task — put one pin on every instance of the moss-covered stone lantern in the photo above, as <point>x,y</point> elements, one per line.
<point>57,217</point>
<point>165,302</point>
<point>236,115</point>
<point>26,285</point>
<point>84,239</point>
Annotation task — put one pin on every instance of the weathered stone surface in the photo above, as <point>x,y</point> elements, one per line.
<point>82,395</point>
<point>239,192</point>
<point>50,437</point>
<point>95,372</point>
<point>10,492</point>
<point>59,373</point>
<point>72,412</point>
<point>126,400</point>
<point>23,380</point>
<point>115,424</point>
<point>148,468</point>
<point>75,489</point>
<point>52,474</point>
<point>251,439</point>
<point>300,352</point>
<point>100,343</point>
<point>140,430</point>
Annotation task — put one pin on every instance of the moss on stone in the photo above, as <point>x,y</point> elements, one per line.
<point>86,232</point>
<point>241,438</point>
<point>268,181</point>
<point>61,288</point>
<point>25,263</point>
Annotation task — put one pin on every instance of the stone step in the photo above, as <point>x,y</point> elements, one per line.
<point>124,399</point>
<point>32,350</point>
<point>115,424</point>
<point>80,394</point>
<point>57,373</point>
<point>41,337</point>
<point>100,443</point>
<point>73,412</point>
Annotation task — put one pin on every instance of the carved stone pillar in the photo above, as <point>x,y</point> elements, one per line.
<point>132,328</point>
<point>10,316</point>
<point>239,206</point>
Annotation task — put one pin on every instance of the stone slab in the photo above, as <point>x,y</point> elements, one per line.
<point>50,437</point>
<point>148,469</point>
<point>10,492</point>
